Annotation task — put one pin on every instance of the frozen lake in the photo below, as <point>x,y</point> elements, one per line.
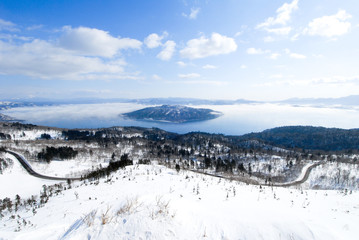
<point>236,119</point>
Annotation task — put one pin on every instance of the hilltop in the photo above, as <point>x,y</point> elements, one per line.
<point>173,114</point>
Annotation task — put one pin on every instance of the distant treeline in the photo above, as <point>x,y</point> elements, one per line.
<point>306,138</point>
<point>51,153</point>
<point>310,138</point>
<point>112,167</point>
<point>4,136</point>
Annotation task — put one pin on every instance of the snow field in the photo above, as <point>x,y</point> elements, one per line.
<point>15,180</point>
<point>153,202</point>
<point>33,134</point>
<point>67,168</point>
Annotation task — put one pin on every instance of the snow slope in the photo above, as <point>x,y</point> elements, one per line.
<point>153,202</point>
<point>335,175</point>
<point>15,180</point>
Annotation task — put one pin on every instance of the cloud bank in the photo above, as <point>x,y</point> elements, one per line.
<point>330,26</point>
<point>78,54</point>
<point>282,18</point>
<point>203,47</point>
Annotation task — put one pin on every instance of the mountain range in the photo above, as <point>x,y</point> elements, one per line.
<point>352,100</point>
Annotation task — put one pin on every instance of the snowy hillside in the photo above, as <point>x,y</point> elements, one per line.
<point>209,198</point>
<point>154,202</point>
<point>173,113</point>
<point>335,175</point>
<point>15,180</point>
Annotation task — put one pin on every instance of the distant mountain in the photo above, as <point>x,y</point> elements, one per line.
<point>349,101</point>
<point>345,101</point>
<point>173,113</point>
<point>10,103</point>
<point>187,101</point>
<point>6,118</point>
<point>310,138</point>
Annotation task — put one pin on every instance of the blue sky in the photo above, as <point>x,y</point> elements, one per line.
<point>229,49</point>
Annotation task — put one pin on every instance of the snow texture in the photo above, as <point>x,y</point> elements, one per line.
<point>154,202</point>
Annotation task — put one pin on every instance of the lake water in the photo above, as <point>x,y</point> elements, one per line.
<point>236,119</point>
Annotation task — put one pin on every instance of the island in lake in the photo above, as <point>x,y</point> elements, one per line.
<point>173,114</point>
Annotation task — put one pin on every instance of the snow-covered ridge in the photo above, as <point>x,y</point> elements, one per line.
<point>173,113</point>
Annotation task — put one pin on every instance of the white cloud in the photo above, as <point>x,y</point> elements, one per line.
<point>274,56</point>
<point>199,82</point>
<point>193,14</point>
<point>11,37</point>
<point>8,26</point>
<point>154,40</point>
<point>168,50</point>
<point>81,53</point>
<point>320,81</point>
<point>282,18</point>
<point>276,76</point>
<point>330,26</point>
<point>297,56</point>
<point>256,51</point>
<point>156,77</point>
<point>237,34</point>
<point>243,66</point>
<point>35,27</point>
<point>268,39</point>
<point>189,75</point>
<point>94,42</point>
<point>204,47</point>
<point>208,66</point>
<point>279,31</point>
<point>181,64</point>
<point>205,82</point>
<point>283,15</point>
<point>295,37</point>
<point>294,55</point>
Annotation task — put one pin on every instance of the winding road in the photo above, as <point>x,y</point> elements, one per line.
<point>301,180</point>
<point>31,171</point>
<point>304,176</point>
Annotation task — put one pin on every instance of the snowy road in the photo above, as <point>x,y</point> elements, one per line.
<point>301,179</point>
<point>31,171</point>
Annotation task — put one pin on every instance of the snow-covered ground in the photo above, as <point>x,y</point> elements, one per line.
<point>15,180</point>
<point>335,175</point>
<point>154,202</point>
<point>67,168</point>
<point>32,134</point>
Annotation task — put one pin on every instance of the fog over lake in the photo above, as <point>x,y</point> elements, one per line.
<point>236,119</point>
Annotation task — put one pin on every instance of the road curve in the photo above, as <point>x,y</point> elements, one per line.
<point>299,181</point>
<point>31,171</point>
<point>254,182</point>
